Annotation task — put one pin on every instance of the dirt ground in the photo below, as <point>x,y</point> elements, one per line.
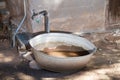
<point>105,64</point>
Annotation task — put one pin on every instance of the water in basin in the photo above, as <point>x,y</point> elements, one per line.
<point>61,51</point>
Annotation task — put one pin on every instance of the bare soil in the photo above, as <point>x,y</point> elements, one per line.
<point>105,64</point>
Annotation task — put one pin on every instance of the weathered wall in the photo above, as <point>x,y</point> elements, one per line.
<point>16,9</point>
<point>113,19</point>
<point>72,15</point>
<point>65,15</point>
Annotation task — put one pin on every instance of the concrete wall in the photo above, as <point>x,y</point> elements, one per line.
<point>72,15</point>
<point>65,15</point>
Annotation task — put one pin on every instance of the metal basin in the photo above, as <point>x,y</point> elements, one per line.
<point>60,64</point>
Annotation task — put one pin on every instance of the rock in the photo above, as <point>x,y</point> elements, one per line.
<point>117,41</point>
<point>33,64</point>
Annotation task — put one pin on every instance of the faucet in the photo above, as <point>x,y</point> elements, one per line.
<point>46,20</point>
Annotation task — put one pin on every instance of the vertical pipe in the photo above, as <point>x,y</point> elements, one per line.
<point>20,25</point>
<point>46,19</point>
<point>46,22</point>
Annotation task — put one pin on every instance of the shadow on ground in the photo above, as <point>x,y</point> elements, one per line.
<point>105,64</point>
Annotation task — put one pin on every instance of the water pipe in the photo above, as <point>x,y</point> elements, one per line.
<point>46,20</point>
<point>20,24</point>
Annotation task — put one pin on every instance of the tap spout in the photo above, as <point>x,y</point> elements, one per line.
<point>46,19</point>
